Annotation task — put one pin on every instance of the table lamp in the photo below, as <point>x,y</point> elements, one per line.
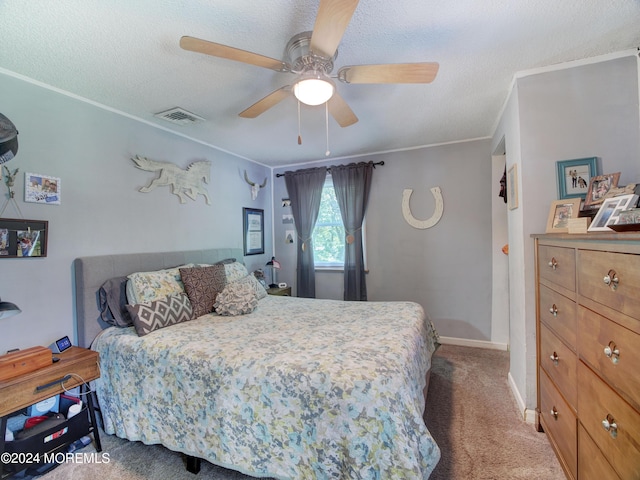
<point>273,264</point>
<point>8,309</point>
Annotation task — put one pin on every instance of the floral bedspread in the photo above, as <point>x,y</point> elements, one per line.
<point>298,389</point>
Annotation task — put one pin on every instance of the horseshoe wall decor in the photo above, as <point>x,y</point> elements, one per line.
<point>414,222</point>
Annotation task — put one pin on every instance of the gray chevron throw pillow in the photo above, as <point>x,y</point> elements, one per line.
<point>151,316</point>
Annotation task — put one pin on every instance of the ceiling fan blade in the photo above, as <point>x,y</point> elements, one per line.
<point>341,111</point>
<point>389,73</point>
<point>231,53</point>
<point>331,22</point>
<point>266,103</point>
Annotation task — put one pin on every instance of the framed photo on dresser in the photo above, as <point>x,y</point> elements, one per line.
<point>609,212</point>
<point>574,176</point>
<point>599,188</point>
<point>560,213</point>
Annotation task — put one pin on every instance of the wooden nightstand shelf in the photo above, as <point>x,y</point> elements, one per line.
<point>283,292</point>
<point>76,367</point>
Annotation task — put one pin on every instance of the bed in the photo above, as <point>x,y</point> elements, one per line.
<point>296,389</point>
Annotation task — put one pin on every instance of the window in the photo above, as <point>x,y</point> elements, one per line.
<point>328,234</point>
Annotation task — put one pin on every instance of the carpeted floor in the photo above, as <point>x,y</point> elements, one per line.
<point>474,418</point>
<point>471,413</point>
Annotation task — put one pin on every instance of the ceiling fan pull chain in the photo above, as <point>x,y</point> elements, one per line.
<point>326,124</point>
<point>299,134</point>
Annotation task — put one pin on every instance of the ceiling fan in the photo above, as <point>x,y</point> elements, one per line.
<point>310,55</point>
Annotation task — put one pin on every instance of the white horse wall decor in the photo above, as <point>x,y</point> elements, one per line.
<point>184,183</point>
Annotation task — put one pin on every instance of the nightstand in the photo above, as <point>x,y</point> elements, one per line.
<point>283,292</point>
<point>76,367</point>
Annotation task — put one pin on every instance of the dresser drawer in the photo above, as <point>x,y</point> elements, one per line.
<point>620,270</point>
<point>560,364</point>
<point>611,350</point>
<point>559,313</point>
<point>558,265</point>
<point>597,402</point>
<point>591,462</point>
<point>559,421</point>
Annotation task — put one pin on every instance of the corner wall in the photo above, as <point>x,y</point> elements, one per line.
<point>101,212</point>
<point>446,268</point>
<point>572,111</point>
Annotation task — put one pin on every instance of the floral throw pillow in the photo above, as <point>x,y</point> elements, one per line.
<point>255,284</point>
<point>149,286</point>
<point>235,271</point>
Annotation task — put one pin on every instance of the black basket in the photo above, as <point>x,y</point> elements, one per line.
<point>52,439</point>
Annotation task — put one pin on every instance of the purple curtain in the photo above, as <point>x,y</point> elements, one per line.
<point>352,184</point>
<point>305,192</point>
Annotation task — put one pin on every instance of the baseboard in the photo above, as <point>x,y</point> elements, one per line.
<point>464,342</point>
<point>528,415</point>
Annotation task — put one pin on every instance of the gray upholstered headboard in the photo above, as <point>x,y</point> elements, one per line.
<point>92,272</point>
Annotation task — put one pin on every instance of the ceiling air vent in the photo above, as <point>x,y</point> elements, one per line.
<point>179,116</point>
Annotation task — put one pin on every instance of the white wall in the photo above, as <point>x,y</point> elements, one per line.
<point>520,351</point>
<point>102,211</point>
<point>500,261</point>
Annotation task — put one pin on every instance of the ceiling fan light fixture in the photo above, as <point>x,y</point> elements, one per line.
<point>314,89</point>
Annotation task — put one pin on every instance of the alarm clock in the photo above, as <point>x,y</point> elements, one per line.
<point>60,345</point>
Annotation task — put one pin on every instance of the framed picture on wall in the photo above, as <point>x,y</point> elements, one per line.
<point>574,176</point>
<point>42,189</point>
<point>560,213</point>
<point>23,238</point>
<point>253,231</point>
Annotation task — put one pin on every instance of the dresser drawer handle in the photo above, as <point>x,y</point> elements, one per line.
<point>554,358</point>
<point>53,384</point>
<point>554,413</point>
<point>611,279</point>
<point>553,263</point>
<point>609,424</point>
<point>554,310</point>
<point>612,352</point>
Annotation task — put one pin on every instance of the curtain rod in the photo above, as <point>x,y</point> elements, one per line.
<point>329,168</point>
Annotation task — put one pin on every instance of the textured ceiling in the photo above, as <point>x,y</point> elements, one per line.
<point>125,54</point>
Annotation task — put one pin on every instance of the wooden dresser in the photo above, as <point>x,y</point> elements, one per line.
<point>588,342</point>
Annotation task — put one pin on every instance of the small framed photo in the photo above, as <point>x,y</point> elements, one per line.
<point>574,176</point>
<point>512,187</point>
<point>41,189</point>
<point>560,213</point>
<point>253,232</point>
<point>610,211</point>
<point>599,186</point>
